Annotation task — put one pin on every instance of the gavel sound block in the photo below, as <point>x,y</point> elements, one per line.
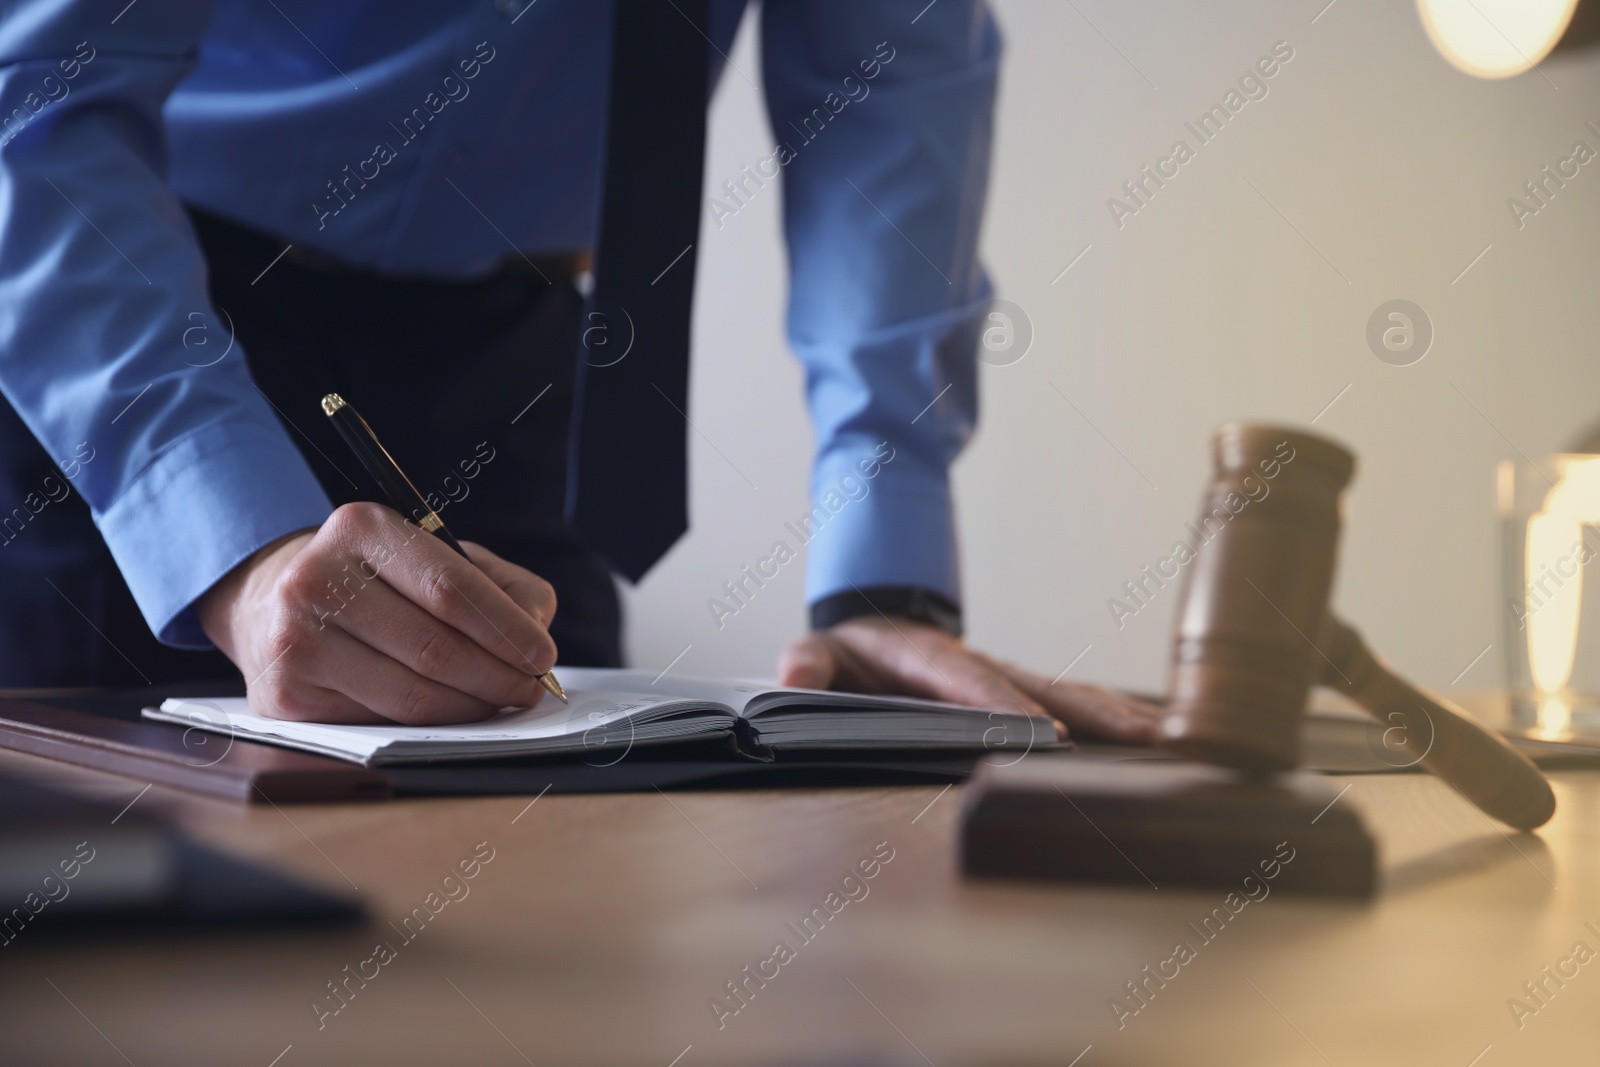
<point>1254,633</point>
<point>1162,823</point>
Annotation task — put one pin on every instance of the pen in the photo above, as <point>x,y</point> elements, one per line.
<point>398,488</point>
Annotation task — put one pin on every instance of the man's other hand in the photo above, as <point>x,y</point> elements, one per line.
<point>882,655</point>
<point>370,620</point>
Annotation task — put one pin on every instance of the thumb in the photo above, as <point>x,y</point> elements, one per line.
<point>808,663</point>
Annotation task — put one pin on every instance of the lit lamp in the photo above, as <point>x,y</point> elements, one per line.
<point>1503,38</point>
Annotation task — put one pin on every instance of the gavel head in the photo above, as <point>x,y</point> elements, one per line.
<point>1255,596</point>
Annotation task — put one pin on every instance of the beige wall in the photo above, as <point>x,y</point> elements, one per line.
<point>1391,173</point>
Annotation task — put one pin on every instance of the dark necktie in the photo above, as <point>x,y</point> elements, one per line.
<point>627,476</point>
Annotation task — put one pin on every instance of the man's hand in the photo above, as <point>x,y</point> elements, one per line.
<point>880,655</point>
<point>370,620</point>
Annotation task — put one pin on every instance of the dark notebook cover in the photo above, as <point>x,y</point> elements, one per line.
<point>104,731</point>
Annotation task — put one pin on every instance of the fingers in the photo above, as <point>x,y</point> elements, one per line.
<point>451,589</point>
<point>1108,715</point>
<point>931,663</point>
<point>385,621</point>
<point>1090,711</point>
<point>371,616</point>
<point>300,701</point>
<point>807,663</point>
<point>369,679</point>
<point>875,655</point>
<point>529,591</point>
<point>881,655</point>
<point>980,685</point>
<point>962,679</point>
<point>337,679</point>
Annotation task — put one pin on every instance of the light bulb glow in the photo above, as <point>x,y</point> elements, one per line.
<point>1495,38</point>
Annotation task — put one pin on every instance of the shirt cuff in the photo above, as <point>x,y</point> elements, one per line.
<point>908,601</point>
<point>878,518</point>
<point>203,506</point>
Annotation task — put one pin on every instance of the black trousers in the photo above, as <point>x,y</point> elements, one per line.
<point>445,372</point>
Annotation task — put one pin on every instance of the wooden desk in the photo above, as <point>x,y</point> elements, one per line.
<point>604,925</point>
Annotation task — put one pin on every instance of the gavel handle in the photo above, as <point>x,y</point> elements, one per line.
<point>1481,765</point>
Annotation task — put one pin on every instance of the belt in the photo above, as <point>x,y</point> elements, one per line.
<point>549,265</point>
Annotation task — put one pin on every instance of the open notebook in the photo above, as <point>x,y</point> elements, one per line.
<point>612,711</point>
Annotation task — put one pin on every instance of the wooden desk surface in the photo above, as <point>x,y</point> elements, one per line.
<point>604,925</point>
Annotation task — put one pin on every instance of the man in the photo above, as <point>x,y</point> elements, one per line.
<point>209,218</point>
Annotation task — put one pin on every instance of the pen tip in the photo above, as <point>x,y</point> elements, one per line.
<point>553,687</point>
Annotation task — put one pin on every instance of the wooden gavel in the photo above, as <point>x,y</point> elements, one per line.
<point>1254,633</point>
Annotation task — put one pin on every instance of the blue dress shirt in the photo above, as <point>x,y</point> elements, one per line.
<point>436,139</point>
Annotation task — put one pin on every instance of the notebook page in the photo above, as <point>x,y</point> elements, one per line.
<point>749,697</point>
<point>589,711</point>
<point>732,693</point>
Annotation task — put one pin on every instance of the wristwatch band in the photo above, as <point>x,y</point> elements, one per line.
<point>920,605</point>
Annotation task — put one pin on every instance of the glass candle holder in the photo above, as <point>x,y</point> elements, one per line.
<point>1550,590</point>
